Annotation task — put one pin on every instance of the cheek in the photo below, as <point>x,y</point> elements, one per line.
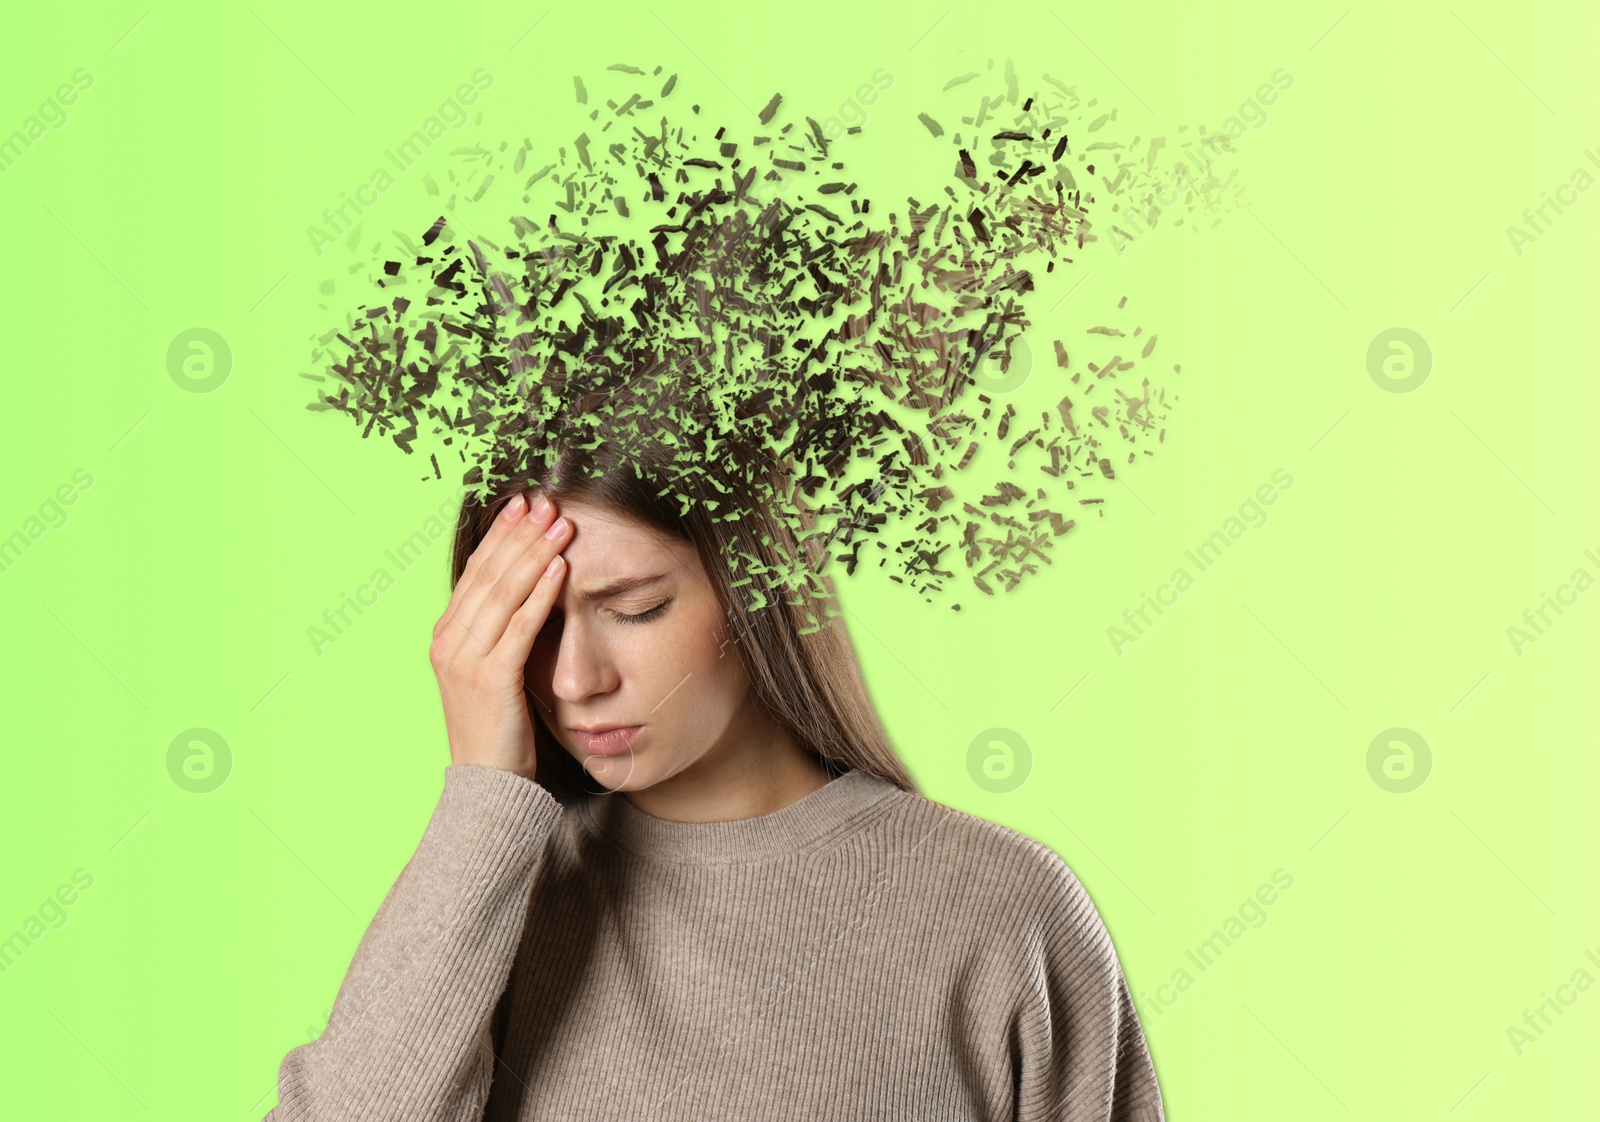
<point>692,656</point>
<point>715,656</point>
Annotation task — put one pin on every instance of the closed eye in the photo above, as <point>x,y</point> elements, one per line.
<point>643,617</point>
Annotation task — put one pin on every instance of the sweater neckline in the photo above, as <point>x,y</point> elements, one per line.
<point>803,823</point>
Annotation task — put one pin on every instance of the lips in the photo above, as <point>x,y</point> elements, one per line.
<point>607,740</point>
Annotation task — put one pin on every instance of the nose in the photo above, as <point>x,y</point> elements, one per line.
<point>583,667</point>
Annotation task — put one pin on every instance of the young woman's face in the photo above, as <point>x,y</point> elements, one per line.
<point>657,654</point>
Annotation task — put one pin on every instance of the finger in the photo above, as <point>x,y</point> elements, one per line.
<point>512,588</point>
<point>522,629</point>
<point>504,580</point>
<point>502,524</point>
<point>495,557</point>
<point>513,543</point>
<point>515,526</point>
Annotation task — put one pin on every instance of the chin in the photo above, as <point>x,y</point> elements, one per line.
<point>616,773</point>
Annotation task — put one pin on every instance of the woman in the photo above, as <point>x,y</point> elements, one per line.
<point>734,906</point>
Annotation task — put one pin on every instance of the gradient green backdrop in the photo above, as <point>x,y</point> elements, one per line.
<point>1436,897</point>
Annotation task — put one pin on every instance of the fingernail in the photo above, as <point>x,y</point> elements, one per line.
<point>513,508</point>
<point>541,507</point>
<point>556,527</point>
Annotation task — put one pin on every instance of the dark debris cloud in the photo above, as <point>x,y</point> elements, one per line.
<point>740,301</point>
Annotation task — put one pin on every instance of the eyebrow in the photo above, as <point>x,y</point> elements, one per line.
<point>620,586</point>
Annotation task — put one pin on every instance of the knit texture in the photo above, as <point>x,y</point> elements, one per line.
<point>862,953</point>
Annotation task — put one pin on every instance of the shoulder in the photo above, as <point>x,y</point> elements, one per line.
<point>1014,878</point>
<point>1007,906</point>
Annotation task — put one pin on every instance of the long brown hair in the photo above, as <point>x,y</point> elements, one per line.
<point>805,678</point>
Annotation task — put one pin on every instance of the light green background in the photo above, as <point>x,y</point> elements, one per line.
<point>1231,740</point>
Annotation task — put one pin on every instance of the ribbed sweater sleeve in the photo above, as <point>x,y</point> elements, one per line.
<point>410,1035</point>
<point>1081,1053</point>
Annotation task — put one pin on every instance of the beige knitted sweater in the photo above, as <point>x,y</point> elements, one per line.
<point>862,953</point>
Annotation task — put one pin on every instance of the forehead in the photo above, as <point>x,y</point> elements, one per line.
<point>607,545</point>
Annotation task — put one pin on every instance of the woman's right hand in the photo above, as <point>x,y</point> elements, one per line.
<point>482,642</point>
